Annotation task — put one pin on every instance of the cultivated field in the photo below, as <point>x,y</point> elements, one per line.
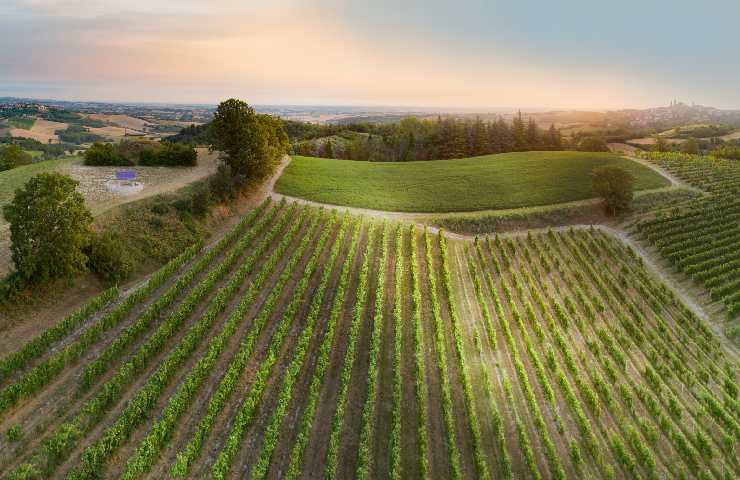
<point>501,181</point>
<point>124,121</point>
<point>21,122</point>
<point>311,344</point>
<point>701,237</point>
<point>41,130</point>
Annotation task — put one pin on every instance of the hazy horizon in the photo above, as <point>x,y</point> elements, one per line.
<point>474,55</point>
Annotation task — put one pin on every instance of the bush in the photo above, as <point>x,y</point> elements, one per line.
<point>49,227</point>
<point>169,154</point>
<point>146,153</point>
<point>593,144</point>
<point>690,146</point>
<point>105,155</point>
<point>197,202</point>
<point>14,433</point>
<point>12,156</point>
<point>221,184</point>
<point>108,257</point>
<point>132,149</point>
<point>77,134</point>
<point>727,151</point>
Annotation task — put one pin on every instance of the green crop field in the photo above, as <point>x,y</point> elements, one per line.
<point>701,237</point>
<point>508,180</point>
<point>21,122</point>
<point>311,344</point>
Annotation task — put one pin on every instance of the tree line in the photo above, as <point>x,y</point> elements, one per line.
<point>422,139</point>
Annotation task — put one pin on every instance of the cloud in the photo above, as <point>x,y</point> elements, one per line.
<point>330,52</point>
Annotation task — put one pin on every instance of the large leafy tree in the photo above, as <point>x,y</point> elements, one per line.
<point>250,144</point>
<point>12,156</point>
<point>615,185</point>
<point>49,227</point>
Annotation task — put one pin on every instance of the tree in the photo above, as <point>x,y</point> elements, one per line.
<point>661,145</point>
<point>49,227</point>
<point>690,146</point>
<point>727,151</point>
<point>615,185</point>
<point>593,144</point>
<point>554,140</point>
<point>327,150</point>
<point>518,132</point>
<point>12,156</point>
<point>105,154</point>
<point>479,140</point>
<point>532,135</point>
<point>250,144</point>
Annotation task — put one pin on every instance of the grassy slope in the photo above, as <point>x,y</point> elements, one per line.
<point>490,182</point>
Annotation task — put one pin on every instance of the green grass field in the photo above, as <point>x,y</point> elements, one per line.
<point>501,181</point>
<point>21,122</point>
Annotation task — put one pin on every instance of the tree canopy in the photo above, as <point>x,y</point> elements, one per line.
<point>420,139</point>
<point>49,227</point>
<point>12,156</point>
<point>250,144</point>
<point>593,144</point>
<point>615,185</point>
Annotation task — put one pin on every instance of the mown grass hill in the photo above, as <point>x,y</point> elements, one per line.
<point>509,180</point>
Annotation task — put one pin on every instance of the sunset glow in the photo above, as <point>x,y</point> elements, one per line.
<point>327,52</point>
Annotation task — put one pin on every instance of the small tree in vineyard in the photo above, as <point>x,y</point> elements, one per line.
<point>615,185</point>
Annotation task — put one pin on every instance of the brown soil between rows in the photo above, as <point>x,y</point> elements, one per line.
<point>468,311</point>
<point>352,425</point>
<point>410,449</point>
<point>253,437</point>
<point>182,370</point>
<point>183,430</point>
<point>384,403</point>
<point>463,435</point>
<point>439,455</point>
<point>59,401</point>
<point>315,453</point>
<point>292,422</point>
<point>223,421</point>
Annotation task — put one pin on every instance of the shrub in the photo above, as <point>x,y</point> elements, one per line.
<point>221,184</point>
<point>169,154</point>
<point>690,146</point>
<point>200,202</point>
<point>12,156</point>
<point>109,258</point>
<point>593,144</point>
<point>77,134</point>
<point>148,153</point>
<point>14,433</point>
<point>104,154</point>
<point>132,149</point>
<point>728,151</point>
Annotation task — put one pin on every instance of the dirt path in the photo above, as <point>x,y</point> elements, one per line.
<point>675,181</point>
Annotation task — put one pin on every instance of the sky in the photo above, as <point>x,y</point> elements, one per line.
<point>479,54</point>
